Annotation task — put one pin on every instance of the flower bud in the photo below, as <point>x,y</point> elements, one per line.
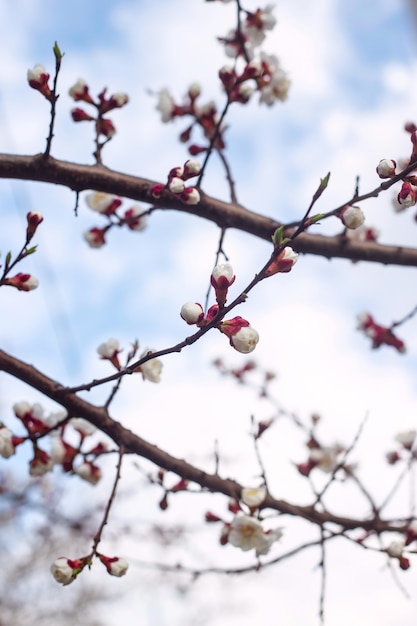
<point>407,196</point>
<point>386,168</point>
<point>242,336</point>
<point>190,195</point>
<point>191,168</point>
<point>80,91</point>
<point>95,237</point>
<point>150,370</point>
<point>38,79</point>
<point>22,282</point>
<point>395,548</point>
<point>34,218</point>
<point>176,185</point>
<point>406,438</point>
<point>41,463</point>
<point>79,115</point>
<point>88,472</point>
<point>114,565</point>
<point>157,190</point>
<point>192,312</point>
<point>7,448</point>
<point>109,351</point>
<point>283,263</point>
<point>135,220</point>
<point>105,127</point>
<point>104,203</point>
<point>221,279</point>
<point>245,340</point>
<point>65,570</point>
<point>352,216</point>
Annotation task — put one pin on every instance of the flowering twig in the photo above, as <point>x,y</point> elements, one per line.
<point>53,99</point>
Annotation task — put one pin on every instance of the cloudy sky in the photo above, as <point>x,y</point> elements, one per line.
<point>353,72</point>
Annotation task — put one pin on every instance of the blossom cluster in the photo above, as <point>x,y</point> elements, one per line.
<point>328,459</point>
<point>72,457</point>
<point>80,92</point>
<point>135,217</point>
<point>395,549</point>
<point>65,570</point>
<point>177,178</point>
<point>246,531</point>
<point>205,116</point>
<point>263,75</point>
<point>150,370</point>
<point>268,77</point>
<point>380,335</point>
<point>241,335</point>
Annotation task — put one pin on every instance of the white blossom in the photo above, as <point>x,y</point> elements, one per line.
<point>165,105</point>
<point>395,548</point>
<point>151,370</point>
<point>7,448</point>
<point>253,496</point>
<point>82,425</point>
<point>88,472</point>
<point>108,348</point>
<point>247,533</point>
<point>99,201</point>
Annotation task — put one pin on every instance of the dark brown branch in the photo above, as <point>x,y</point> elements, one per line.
<point>225,215</point>
<point>134,444</point>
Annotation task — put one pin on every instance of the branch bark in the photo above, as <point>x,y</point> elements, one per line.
<point>226,215</point>
<point>134,444</point>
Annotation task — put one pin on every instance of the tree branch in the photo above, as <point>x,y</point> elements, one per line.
<point>97,177</point>
<point>134,444</point>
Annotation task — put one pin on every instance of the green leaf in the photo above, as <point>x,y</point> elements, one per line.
<point>278,235</point>
<point>316,218</point>
<point>324,182</point>
<point>57,52</point>
<point>8,259</point>
<point>30,250</point>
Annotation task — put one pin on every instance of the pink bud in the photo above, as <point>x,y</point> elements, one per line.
<point>157,190</point>
<point>79,115</point>
<point>407,196</point>
<point>38,79</point>
<point>190,195</point>
<point>283,263</point>
<point>34,218</point>
<point>114,565</point>
<point>95,237</point>
<point>22,282</point>
<point>105,127</point>
<point>80,91</point>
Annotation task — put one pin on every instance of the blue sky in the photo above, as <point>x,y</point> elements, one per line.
<point>354,85</point>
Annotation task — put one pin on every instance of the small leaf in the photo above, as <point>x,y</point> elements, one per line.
<point>30,251</point>
<point>57,52</point>
<point>324,181</point>
<point>8,259</point>
<point>278,235</point>
<point>316,218</point>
